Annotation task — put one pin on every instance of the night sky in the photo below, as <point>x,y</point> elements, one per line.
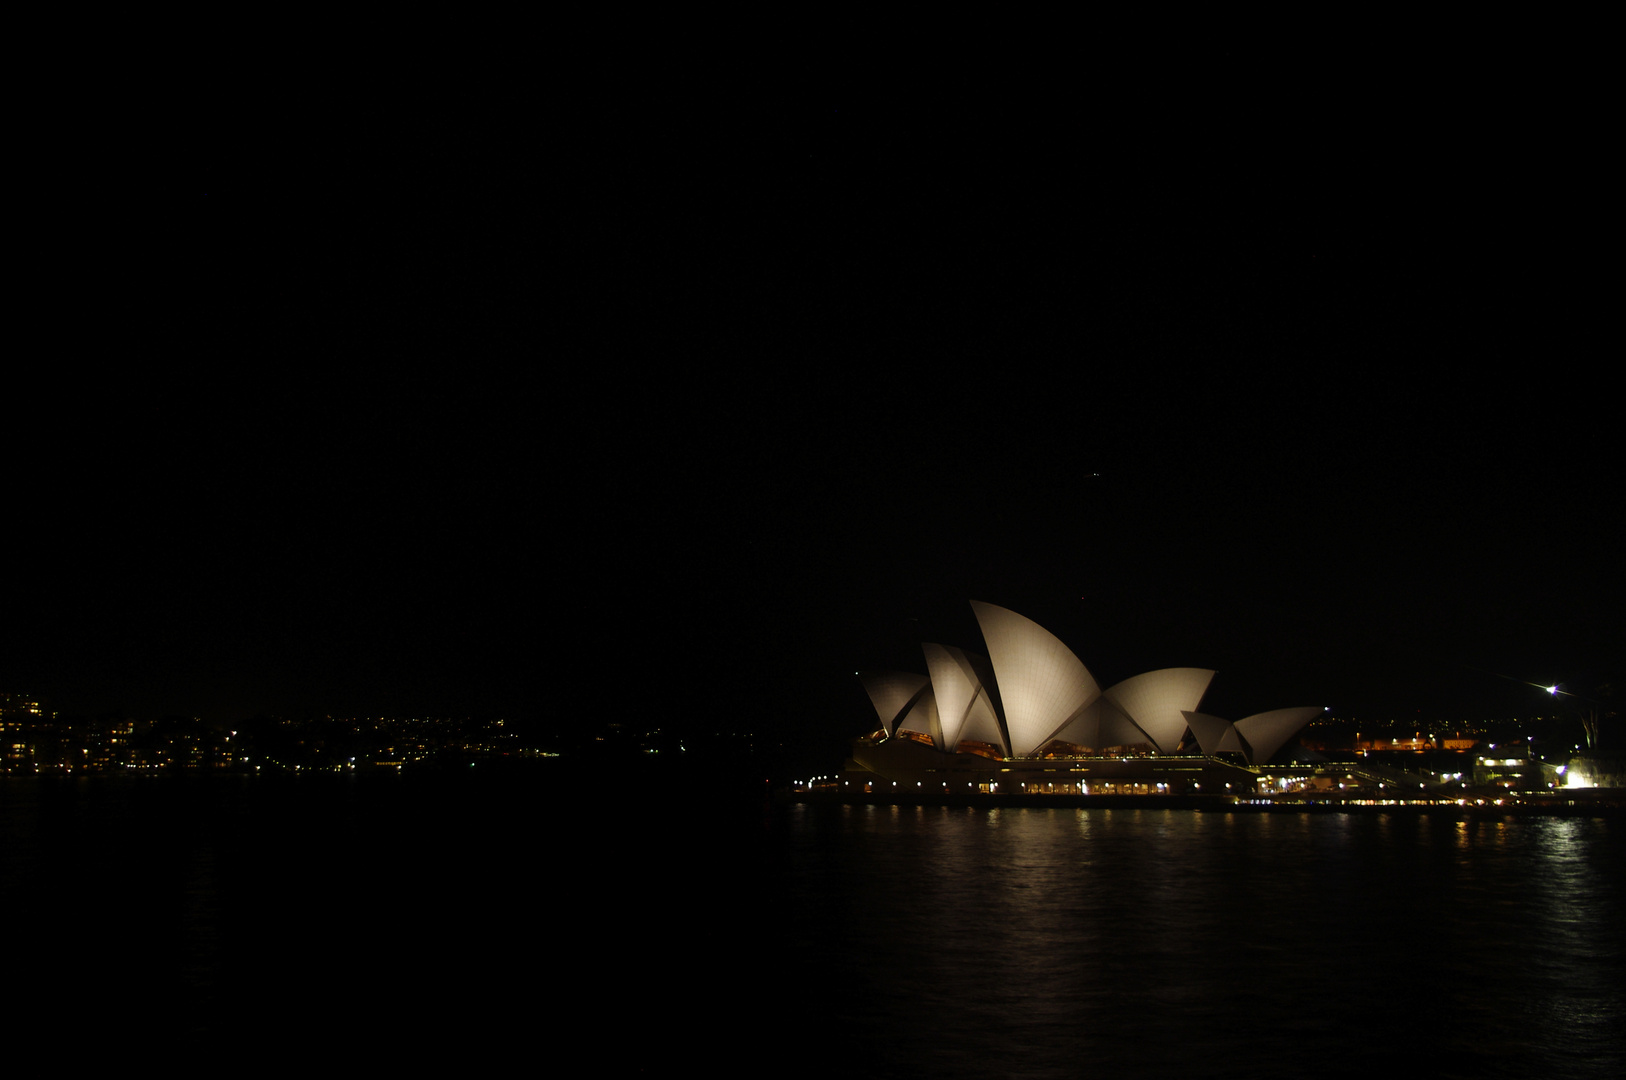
<point>687,413</point>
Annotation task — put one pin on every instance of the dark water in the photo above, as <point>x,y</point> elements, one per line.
<point>1075,942</point>
<point>445,920</point>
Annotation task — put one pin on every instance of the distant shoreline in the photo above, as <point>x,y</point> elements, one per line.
<point>1584,803</point>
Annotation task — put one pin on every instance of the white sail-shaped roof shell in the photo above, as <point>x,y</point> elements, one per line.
<point>1256,737</point>
<point>922,717</point>
<point>1042,685</point>
<point>1101,724</point>
<point>964,708</point>
<point>1214,733</point>
<point>1157,702</point>
<point>1265,732</point>
<point>892,693</point>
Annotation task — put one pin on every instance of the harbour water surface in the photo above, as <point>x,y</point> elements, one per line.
<point>442,917</point>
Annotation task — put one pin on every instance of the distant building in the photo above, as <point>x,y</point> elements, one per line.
<point>21,718</point>
<point>1516,772</point>
<point>18,711</point>
<point>1031,717</point>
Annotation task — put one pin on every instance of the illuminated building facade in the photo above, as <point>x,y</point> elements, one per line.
<point>1518,772</point>
<point>1031,717</point>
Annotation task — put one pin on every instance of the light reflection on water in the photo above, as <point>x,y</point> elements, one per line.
<point>1239,944</point>
<point>746,939</point>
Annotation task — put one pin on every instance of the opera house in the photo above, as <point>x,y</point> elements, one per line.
<point>1030,718</point>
